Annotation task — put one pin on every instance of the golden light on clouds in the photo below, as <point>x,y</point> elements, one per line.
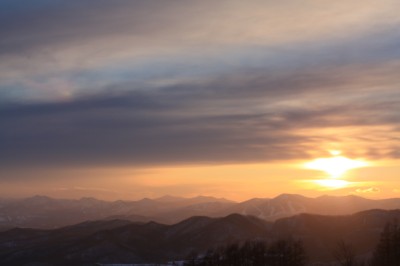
<point>258,99</point>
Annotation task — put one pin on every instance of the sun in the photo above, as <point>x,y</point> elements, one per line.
<point>335,166</point>
<point>332,183</point>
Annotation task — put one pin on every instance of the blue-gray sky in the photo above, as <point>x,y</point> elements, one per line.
<point>147,84</point>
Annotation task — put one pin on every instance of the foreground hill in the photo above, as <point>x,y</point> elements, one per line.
<point>45,213</point>
<point>118,241</point>
<point>122,241</point>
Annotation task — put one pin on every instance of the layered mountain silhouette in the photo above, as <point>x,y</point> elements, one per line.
<point>119,241</point>
<point>48,213</point>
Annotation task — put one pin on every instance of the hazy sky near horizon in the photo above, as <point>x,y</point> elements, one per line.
<point>126,99</point>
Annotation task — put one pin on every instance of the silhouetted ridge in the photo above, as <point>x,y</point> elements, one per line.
<point>125,242</point>
<point>45,212</point>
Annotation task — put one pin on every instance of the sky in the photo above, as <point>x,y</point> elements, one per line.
<point>237,99</point>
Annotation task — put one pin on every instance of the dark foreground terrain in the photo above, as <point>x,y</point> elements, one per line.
<point>122,241</point>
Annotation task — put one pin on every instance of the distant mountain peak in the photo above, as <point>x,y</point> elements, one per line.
<point>208,198</point>
<point>39,199</point>
<point>289,196</point>
<point>169,198</point>
<point>89,199</point>
<point>146,200</point>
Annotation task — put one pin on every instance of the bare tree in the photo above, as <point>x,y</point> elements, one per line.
<point>345,254</point>
<point>256,253</point>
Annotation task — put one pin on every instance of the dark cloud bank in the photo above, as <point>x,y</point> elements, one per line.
<point>213,122</point>
<point>247,115</point>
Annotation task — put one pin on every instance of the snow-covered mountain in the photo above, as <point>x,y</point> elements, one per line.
<point>45,212</point>
<point>286,205</point>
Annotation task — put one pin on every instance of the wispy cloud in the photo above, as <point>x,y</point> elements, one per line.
<point>250,119</point>
<point>153,83</point>
<point>368,190</point>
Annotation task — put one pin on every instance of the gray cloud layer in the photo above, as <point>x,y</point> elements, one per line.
<point>242,121</point>
<point>154,82</point>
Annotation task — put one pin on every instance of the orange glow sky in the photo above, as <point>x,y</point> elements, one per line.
<point>233,181</point>
<point>233,99</point>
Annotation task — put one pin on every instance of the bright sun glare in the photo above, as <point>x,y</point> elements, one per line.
<point>332,183</point>
<point>335,166</point>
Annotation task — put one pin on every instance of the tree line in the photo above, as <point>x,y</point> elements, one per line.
<point>251,253</point>
<point>291,252</point>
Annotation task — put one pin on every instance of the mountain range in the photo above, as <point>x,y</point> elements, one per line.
<point>43,212</point>
<point>121,241</point>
